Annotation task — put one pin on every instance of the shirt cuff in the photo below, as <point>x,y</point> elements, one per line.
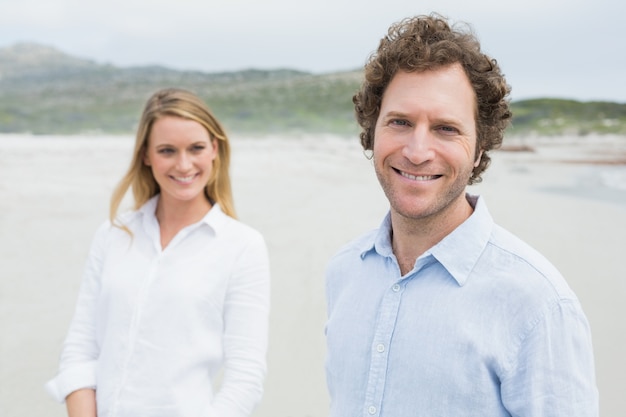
<point>71,379</point>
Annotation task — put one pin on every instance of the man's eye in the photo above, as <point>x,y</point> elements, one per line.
<point>399,122</point>
<point>448,130</point>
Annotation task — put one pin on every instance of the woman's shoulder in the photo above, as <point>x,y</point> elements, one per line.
<point>234,229</point>
<point>126,219</point>
<point>240,227</point>
<point>123,222</point>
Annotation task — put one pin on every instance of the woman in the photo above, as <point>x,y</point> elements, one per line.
<point>173,291</point>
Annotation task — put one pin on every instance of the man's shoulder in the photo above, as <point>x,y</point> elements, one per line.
<point>359,244</point>
<point>507,242</point>
<point>351,251</point>
<point>348,262</point>
<point>526,262</point>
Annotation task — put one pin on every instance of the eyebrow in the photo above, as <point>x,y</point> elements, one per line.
<point>394,113</point>
<point>198,142</point>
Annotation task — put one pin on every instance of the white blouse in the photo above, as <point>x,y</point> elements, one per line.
<point>153,327</point>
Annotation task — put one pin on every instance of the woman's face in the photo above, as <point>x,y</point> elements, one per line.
<point>180,153</point>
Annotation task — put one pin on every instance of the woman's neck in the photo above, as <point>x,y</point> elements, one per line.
<point>173,216</point>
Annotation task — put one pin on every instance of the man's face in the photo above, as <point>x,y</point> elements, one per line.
<point>425,141</point>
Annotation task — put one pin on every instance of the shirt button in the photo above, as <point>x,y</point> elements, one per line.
<point>380,348</point>
<point>371,409</point>
<point>396,287</point>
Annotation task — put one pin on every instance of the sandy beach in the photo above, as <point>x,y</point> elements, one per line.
<point>308,196</point>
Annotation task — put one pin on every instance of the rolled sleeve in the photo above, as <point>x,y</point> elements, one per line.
<point>78,365</point>
<point>71,379</point>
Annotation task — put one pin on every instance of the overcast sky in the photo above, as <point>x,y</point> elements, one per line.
<point>547,48</point>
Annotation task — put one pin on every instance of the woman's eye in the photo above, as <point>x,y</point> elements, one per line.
<point>198,148</point>
<point>166,151</point>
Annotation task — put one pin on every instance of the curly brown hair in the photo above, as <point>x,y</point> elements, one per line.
<point>425,43</point>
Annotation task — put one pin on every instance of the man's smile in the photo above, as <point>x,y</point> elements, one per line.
<point>417,177</point>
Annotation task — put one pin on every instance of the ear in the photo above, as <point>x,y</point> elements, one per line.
<point>477,161</point>
<point>146,160</point>
<point>215,146</point>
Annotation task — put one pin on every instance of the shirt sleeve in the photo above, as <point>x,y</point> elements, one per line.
<point>80,351</point>
<point>246,322</point>
<point>554,374</point>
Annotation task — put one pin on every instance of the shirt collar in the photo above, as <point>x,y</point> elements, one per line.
<point>215,218</point>
<point>382,241</point>
<point>458,252</point>
<point>149,207</point>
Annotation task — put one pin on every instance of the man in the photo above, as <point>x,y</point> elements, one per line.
<point>440,312</point>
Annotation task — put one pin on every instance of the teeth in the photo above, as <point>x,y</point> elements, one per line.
<point>184,179</point>
<point>417,177</point>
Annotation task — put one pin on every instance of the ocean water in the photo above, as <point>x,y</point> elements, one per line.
<point>604,183</point>
<point>614,177</point>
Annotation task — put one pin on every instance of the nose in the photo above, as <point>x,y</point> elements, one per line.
<point>419,146</point>
<point>184,163</point>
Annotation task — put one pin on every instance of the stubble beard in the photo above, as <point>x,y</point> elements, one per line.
<point>427,211</point>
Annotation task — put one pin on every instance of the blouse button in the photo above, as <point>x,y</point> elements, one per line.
<point>371,409</point>
<point>396,287</point>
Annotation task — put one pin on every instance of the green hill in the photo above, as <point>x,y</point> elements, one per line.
<point>556,117</point>
<point>44,91</point>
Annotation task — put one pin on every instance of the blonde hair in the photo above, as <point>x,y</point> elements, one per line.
<point>178,103</point>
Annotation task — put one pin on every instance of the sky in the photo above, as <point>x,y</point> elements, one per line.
<point>574,49</point>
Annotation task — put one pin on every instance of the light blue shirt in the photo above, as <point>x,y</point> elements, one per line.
<point>482,326</point>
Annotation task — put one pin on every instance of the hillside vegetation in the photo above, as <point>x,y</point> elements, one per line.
<point>44,91</point>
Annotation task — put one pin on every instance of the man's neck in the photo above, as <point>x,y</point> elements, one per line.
<point>410,237</point>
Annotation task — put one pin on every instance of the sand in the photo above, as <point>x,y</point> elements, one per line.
<point>307,195</point>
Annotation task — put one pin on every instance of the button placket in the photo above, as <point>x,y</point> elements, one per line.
<point>385,322</point>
